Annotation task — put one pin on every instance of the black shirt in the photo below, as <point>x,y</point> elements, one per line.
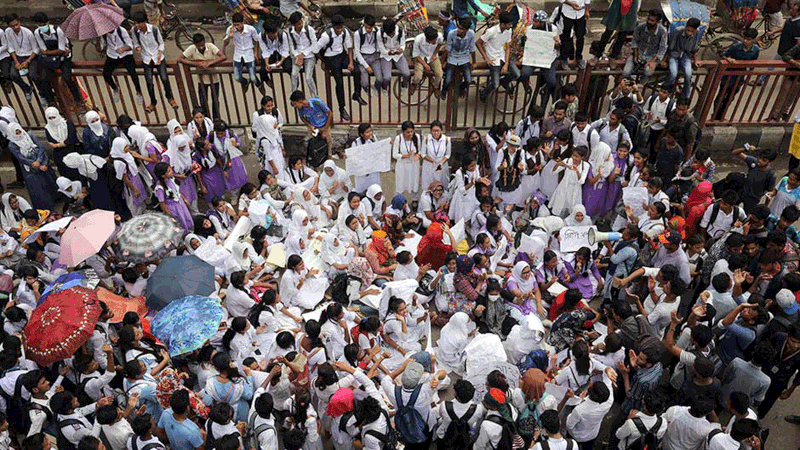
<point>789,35</point>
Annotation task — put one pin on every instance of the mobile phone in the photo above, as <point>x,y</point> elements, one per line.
<point>747,146</point>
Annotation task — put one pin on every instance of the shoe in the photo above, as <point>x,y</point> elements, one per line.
<point>43,102</point>
<point>582,63</point>
<point>510,90</point>
<point>16,185</point>
<point>173,103</point>
<point>29,96</point>
<point>262,89</point>
<point>357,98</point>
<point>792,419</point>
<point>564,64</point>
<point>245,87</point>
<point>115,96</point>
<point>483,96</point>
<point>345,115</point>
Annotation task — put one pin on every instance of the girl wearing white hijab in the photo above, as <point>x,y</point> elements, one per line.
<point>209,250</point>
<point>11,210</point>
<point>174,128</point>
<point>73,191</point>
<point>318,214</point>
<point>146,146</point>
<point>595,189</point>
<point>62,138</point>
<point>578,218</point>
<point>334,183</point>
<point>377,205</point>
<point>90,167</point>
<point>240,259</point>
<point>179,157</point>
<point>9,253</point>
<point>335,254</point>
<point>97,135</point>
<point>125,169</point>
<point>39,176</point>
<point>301,225</point>
<point>269,145</point>
<point>453,339</point>
<point>295,245</point>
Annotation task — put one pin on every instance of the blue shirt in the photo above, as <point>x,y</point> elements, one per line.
<point>316,113</point>
<point>460,48</point>
<point>734,342</point>
<point>182,435</point>
<point>737,51</point>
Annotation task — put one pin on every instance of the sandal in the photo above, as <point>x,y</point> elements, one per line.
<point>173,103</point>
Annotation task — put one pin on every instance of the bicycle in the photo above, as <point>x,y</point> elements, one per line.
<point>175,25</point>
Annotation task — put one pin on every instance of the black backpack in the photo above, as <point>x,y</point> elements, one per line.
<point>546,445</point>
<point>317,151</point>
<point>510,438</point>
<point>711,435</point>
<point>457,435</point>
<point>61,441</point>
<point>648,439</point>
<point>390,438</point>
<point>715,213</point>
<point>17,408</point>
<point>149,446</point>
<point>80,392</point>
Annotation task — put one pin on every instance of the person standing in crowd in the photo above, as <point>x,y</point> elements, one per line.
<point>40,179</point>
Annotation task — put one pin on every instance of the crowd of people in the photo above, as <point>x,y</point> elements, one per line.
<point>453,313</point>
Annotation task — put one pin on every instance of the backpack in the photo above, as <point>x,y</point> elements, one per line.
<point>510,438</point>
<point>620,128</point>
<point>17,408</point>
<point>648,439</point>
<point>528,421</point>
<point>546,445</point>
<point>392,436</point>
<point>253,432</point>
<point>361,35</point>
<point>149,446</point>
<point>457,435</point>
<point>156,33</point>
<point>649,103</point>
<point>409,422</point>
<point>80,391</point>
<point>329,32</point>
<point>317,151</point>
<point>306,29</point>
<point>715,213</point>
<point>711,435</point>
<point>115,185</point>
<point>61,441</point>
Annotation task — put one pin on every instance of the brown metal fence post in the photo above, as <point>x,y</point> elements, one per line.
<point>180,82</point>
<point>709,91</point>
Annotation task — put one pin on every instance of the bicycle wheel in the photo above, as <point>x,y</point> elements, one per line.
<point>91,51</point>
<point>185,31</point>
<point>718,46</point>
<point>508,106</point>
<point>420,96</point>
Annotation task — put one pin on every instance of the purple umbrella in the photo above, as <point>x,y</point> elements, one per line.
<point>92,21</point>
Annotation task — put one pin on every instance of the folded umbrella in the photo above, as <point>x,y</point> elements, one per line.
<point>61,325</point>
<point>187,323</point>
<point>147,237</point>
<point>177,277</point>
<point>85,236</point>
<point>92,21</point>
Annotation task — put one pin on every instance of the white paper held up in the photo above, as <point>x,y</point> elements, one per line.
<point>369,158</point>
<point>52,226</point>
<point>635,197</point>
<point>573,238</point>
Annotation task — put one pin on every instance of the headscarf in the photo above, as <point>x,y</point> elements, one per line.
<point>373,191</point>
<point>700,195</point>
<point>333,251</point>
<point>180,160</point>
<point>379,247</point>
<point>434,234</point>
<point>523,285</point>
<point>141,136</point>
<point>170,382</point>
<point>26,145</point>
<point>56,125</point>
<point>431,250</point>
<point>340,403</point>
<point>454,336</point>
<point>572,222</point>
<point>187,242</point>
<point>297,227</point>
<point>678,224</point>
<point>293,245</point>
<point>171,126</point>
<point>533,385</point>
<point>496,399</point>
<point>306,205</point>
<point>118,152</point>
<point>201,230</point>
<point>7,243</point>
<point>325,181</point>
<point>87,165</point>
<point>96,127</point>
<point>602,162</point>
<point>464,264</point>
<point>237,256</point>
<point>265,127</point>
<point>8,113</point>
<point>64,185</point>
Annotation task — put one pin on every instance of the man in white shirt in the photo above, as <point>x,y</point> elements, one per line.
<point>71,420</point>
<point>335,46</point>
<point>274,46</point>
<point>647,419</point>
<point>365,51</point>
<point>149,44</point>
<point>723,216</point>
<point>462,406</point>
<point>426,58</point>
<point>302,41</point>
<point>8,66</point>
<point>56,54</point>
<point>245,40</point>
<point>687,425</point>
<point>551,427</point>
<point>582,133</point>
<point>262,421</point>
<point>119,52</point>
<point>89,379</point>
<point>496,51</point>
<point>583,423</point>
<point>745,434</point>
<point>656,110</point>
<point>392,46</point>
<point>575,14</point>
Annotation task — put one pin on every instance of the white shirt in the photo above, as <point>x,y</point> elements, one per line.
<point>243,43</point>
<point>555,444</point>
<point>340,44</point>
<point>459,409</point>
<point>368,47</point>
<point>4,46</point>
<point>267,438</point>
<point>238,302</point>
<point>494,42</point>
<point>302,42</point>
<point>151,42</point>
<point>583,423</point>
<point>140,443</point>
<point>118,434</point>
<point>659,110</point>
<point>723,441</point>
<point>389,43</point>
<point>117,39</point>
<point>74,433</point>
<point>684,431</point>
<point>22,44</point>
<point>628,433</point>
<point>723,222</point>
<point>588,137</point>
<point>422,49</point>
<point>279,45</point>
<point>63,43</point>
<point>574,14</point>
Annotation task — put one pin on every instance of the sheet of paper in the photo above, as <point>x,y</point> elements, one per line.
<point>600,328</point>
<point>573,238</point>
<point>635,197</point>
<point>312,315</point>
<point>312,292</point>
<point>212,253</point>
<point>410,243</point>
<point>369,158</point>
<point>458,232</point>
<point>556,289</point>
<point>498,255</point>
<point>277,255</point>
<point>538,50</point>
<point>311,256</point>
<point>52,226</point>
<point>242,227</point>
<point>372,300</point>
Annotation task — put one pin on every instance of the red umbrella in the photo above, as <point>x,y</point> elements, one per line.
<point>91,21</point>
<point>60,325</point>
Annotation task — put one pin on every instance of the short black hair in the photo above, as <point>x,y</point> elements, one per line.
<point>694,22</point>
<point>550,421</point>
<point>569,89</point>
<point>297,96</point>
<point>88,443</point>
<point>465,391</point>
<point>598,392</point>
<point>702,335</point>
<point>295,17</point>
<point>653,402</point>
<point>762,353</point>
<point>430,33</point>
<point>142,424</point>
<point>264,405</point>
<point>465,23</point>
<point>139,17</point>
<point>730,197</point>
<point>790,213</point>
<point>721,282</point>
<point>743,429</point>
<point>40,18</point>
<point>11,18</point>
<point>179,401</point>
<point>750,33</point>
<point>369,20</point>
<point>581,116</point>
<point>337,20</point>
<point>655,12</point>
<point>560,105</point>
<point>739,401</point>
<point>505,17</point>
<point>198,38</point>
<point>768,153</point>
<point>106,415</point>
<point>237,18</point>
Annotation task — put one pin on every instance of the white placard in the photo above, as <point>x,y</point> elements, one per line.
<point>243,226</point>
<point>311,257</point>
<point>52,226</point>
<point>410,243</point>
<point>573,238</point>
<point>498,255</point>
<point>635,197</point>
<point>556,289</point>
<point>312,292</point>
<point>277,255</point>
<point>458,233</point>
<point>212,253</point>
<point>258,211</point>
<point>369,158</point>
<point>538,51</point>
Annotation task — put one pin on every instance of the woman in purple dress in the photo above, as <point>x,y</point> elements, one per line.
<point>169,196</point>
<point>125,169</point>
<point>581,272</point>
<point>212,180</point>
<point>226,144</point>
<point>621,164</point>
<point>146,145</point>
<point>595,188</point>
<point>179,157</point>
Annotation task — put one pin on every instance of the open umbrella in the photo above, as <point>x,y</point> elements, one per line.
<point>187,323</point>
<point>120,305</point>
<point>178,277</point>
<point>91,21</point>
<point>60,325</point>
<point>85,236</point>
<point>85,278</point>
<point>147,237</point>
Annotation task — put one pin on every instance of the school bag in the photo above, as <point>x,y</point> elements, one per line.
<point>61,441</point>
<point>18,409</point>
<point>715,213</point>
<point>80,392</point>
<point>528,421</point>
<point>149,446</point>
<point>389,439</point>
<point>510,438</point>
<point>457,435</point>
<point>409,422</point>
<point>546,445</point>
<point>648,439</point>
<point>254,432</point>
<point>317,150</point>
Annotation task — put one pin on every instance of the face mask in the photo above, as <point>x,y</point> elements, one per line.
<point>44,28</point>
<point>494,298</point>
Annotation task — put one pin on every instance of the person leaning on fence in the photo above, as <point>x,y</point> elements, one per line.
<point>495,46</point>
<point>202,54</point>
<point>274,47</point>
<point>119,51</point>
<point>460,47</point>
<point>245,40</point>
<point>335,46</point>
<point>13,57</point>
<point>392,45</point>
<point>365,51</point>
<point>56,54</point>
<point>649,47</point>
<point>682,49</point>
<point>302,40</point>
<point>314,113</point>
<point>790,87</point>
<point>425,52</point>
<point>745,50</point>
<point>149,42</point>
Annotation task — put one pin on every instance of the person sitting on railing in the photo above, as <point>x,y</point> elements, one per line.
<point>204,55</point>
<point>649,46</point>
<point>18,49</point>
<point>119,51</point>
<point>789,89</point>
<point>392,46</point>
<point>149,43</point>
<point>365,51</point>
<point>245,42</point>
<point>495,46</point>
<point>56,54</point>
<point>302,40</point>
<point>335,46</point>
<point>460,47</point>
<point>274,47</point>
<point>540,22</point>
<point>426,58</point>
<point>683,45</point>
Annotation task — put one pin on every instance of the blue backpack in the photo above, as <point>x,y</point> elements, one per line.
<point>408,421</point>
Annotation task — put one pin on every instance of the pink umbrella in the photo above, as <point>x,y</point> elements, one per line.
<point>85,236</point>
<point>91,21</point>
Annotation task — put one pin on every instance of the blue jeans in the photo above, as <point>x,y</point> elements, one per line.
<point>251,70</point>
<point>685,66</point>
<point>450,71</point>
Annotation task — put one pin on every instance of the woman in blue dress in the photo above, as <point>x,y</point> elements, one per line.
<point>40,178</point>
<point>97,136</point>
<point>229,387</point>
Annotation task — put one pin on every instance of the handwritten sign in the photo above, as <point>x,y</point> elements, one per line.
<point>573,238</point>
<point>635,197</point>
<point>538,51</point>
<point>369,158</point>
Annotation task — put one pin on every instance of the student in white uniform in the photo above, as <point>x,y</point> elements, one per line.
<point>365,136</point>
<point>435,156</point>
<point>406,151</point>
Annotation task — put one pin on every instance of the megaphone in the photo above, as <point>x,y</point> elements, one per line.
<point>599,236</point>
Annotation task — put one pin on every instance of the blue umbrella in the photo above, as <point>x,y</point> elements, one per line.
<point>177,277</point>
<point>86,278</point>
<point>187,323</point>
